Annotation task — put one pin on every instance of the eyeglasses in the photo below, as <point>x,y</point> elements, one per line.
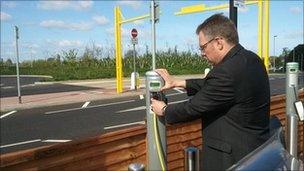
<point>202,48</point>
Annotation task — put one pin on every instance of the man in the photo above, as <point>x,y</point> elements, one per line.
<point>233,100</point>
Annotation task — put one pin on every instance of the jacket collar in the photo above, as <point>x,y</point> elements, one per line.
<point>232,52</point>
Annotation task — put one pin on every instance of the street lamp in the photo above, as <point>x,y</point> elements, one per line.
<point>274,67</point>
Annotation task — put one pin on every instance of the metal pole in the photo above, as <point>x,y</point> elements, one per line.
<point>274,65</point>
<point>260,29</point>
<point>17,64</point>
<point>233,12</point>
<point>266,34</point>
<point>153,33</point>
<point>292,69</point>
<point>118,48</point>
<point>192,159</point>
<point>136,167</point>
<point>134,66</point>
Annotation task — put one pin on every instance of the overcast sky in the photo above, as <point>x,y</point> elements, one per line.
<point>49,27</point>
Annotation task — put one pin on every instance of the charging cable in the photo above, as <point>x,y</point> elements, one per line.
<point>157,142</point>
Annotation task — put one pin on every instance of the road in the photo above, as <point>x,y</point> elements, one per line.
<point>10,80</point>
<point>44,126</point>
<point>30,85</point>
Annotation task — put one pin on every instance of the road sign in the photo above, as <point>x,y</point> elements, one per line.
<point>134,33</point>
<point>239,3</point>
<point>134,41</point>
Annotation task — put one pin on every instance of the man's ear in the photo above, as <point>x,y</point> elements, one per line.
<point>220,44</point>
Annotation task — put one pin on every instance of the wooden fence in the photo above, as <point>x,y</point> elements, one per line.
<point>116,150</point>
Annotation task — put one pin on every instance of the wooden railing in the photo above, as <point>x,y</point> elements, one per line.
<point>116,150</point>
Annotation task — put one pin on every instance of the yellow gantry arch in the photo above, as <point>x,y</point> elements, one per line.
<point>263,32</point>
<point>263,23</point>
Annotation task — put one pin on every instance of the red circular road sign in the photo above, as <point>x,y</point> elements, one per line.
<point>134,33</point>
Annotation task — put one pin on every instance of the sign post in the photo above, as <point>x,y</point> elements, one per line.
<point>17,64</point>
<point>134,74</point>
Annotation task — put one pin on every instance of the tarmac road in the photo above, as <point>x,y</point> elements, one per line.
<point>10,80</point>
<point>31,89</point>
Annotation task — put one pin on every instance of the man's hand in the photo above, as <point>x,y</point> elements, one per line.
<point>157,107</point>
<point>169,81</point>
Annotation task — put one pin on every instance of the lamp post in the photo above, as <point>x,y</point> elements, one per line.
<point>17,64</point>
<point>274,67</point>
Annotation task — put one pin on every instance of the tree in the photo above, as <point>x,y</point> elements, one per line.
<point>70,56</point>
<point>285,52</point>
<point>8,62</point>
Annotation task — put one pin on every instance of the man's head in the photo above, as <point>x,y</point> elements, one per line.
<point>217,35</point>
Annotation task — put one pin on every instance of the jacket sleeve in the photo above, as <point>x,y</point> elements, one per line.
<point>216,95</point>
<point>193,86</point>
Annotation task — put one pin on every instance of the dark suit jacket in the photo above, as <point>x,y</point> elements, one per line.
<point>233,101</point>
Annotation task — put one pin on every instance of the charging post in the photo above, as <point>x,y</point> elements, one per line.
<point>156,127</point>
<point>292,70</point>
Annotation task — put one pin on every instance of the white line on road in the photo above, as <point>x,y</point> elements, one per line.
<point>50,141</point>
<point>173,94</point>
<point>28,85</point>
<point>144,107</point>
<point>132,109</point>
<point>7,87</point>
<point>85,104</point>
<point>102,105</point>
<point>7,114</point>
<point>179,90</point>
<point>124,125</point>
<point>20,143</point>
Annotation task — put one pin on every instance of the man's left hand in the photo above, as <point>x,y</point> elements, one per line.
<point>157,107</point>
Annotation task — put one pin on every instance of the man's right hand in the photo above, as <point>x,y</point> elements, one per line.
<point>169,81</point>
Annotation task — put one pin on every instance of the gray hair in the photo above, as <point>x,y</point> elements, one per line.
<point>219,25</point>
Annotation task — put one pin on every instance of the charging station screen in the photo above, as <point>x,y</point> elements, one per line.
<point>155,84</point>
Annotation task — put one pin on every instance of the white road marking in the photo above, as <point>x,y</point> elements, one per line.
<point>144,107</point>
<point>28,85</point>
<point>102,105</point>
<point>85,104</point>
<point>124,125</point>
<point>7,87</point>
<point>179,90</point>
<point>20,143</point>
<point>173,94</point>
<point>50,141</point>
<point>7,114</point>
<point>132,109</point>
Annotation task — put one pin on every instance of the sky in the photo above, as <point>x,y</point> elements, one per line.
<point>47,28</point>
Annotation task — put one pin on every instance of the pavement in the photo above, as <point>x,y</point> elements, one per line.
<point>104,89</point>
